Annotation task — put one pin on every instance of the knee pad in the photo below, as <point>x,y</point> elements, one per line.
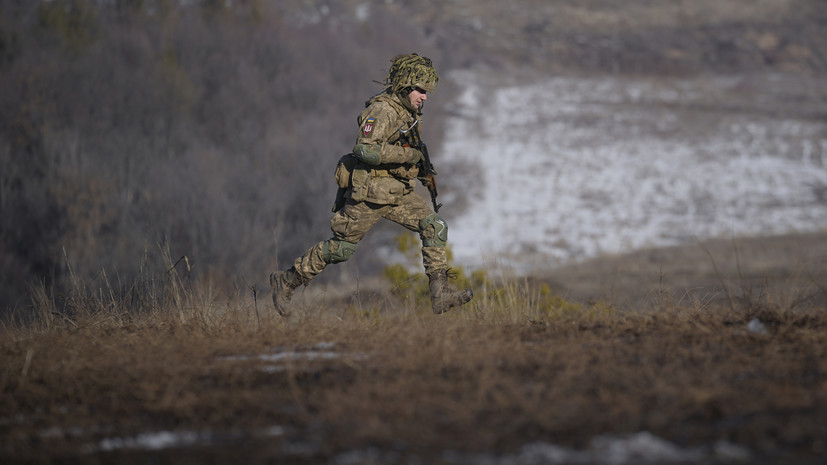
<point>336,251</point>
<point>440,228</point>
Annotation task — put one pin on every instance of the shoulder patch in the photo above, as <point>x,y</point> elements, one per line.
<point>367,128</point>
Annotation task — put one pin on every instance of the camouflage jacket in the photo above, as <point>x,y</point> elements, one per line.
<point>379,129</point>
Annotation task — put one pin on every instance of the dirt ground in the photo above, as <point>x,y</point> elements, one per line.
<point>709,362</point>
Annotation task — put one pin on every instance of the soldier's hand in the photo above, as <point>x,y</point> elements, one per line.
<point>414,155</point>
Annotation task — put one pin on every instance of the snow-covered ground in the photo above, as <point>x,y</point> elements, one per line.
<point>634,449</point>
<point>572,168</point>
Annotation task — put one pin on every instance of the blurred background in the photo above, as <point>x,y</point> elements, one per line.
<point>130,129</point>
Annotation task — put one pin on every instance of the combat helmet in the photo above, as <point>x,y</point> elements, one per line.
<point>411,70</point>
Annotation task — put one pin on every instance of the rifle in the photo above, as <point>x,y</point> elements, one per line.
<point>427,172</point>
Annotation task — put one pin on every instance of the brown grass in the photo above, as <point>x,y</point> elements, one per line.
<point>520,365</point>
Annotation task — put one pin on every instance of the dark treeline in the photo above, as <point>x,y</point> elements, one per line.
<point>210,129</point>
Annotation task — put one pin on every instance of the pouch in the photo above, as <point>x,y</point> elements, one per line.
<point>344,170</point>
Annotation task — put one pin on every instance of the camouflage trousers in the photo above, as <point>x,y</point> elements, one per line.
<point>352,222</point>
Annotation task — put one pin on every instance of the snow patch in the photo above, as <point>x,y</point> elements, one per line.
<point>280,357</point>
<point>635,449</point>
<point>639,448</point>
<point>153,441</point>
<point>574,168</point>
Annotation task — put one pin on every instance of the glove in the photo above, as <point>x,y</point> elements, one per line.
<point>414,155</point>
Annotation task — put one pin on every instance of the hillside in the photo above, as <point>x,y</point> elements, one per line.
<point>637,36</point>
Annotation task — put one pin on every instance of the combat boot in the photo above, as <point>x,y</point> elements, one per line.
<point>445,295</point>
<point>283,283</point>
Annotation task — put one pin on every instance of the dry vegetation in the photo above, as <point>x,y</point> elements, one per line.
<point>520,365</point>
<point>201,127</point>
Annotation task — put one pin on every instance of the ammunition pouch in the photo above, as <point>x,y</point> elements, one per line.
<point>382,184</point>
<point>344,170</point>
<point>359,180</point>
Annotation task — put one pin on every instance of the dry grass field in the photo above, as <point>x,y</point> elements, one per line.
<point>725,364</point>
<point>708,353</point>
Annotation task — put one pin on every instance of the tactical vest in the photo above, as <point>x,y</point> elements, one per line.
<point>383,184</point>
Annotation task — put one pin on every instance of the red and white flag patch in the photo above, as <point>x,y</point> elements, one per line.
<point>368,127</point>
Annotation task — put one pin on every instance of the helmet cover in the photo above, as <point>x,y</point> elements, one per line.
<point>411,70</point>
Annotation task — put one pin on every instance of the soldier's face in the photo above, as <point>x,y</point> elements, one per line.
<point>417,97</point>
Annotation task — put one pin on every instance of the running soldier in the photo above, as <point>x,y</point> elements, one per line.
<point>377,181</point>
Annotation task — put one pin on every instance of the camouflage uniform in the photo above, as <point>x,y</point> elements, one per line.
<point>377,181</point>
